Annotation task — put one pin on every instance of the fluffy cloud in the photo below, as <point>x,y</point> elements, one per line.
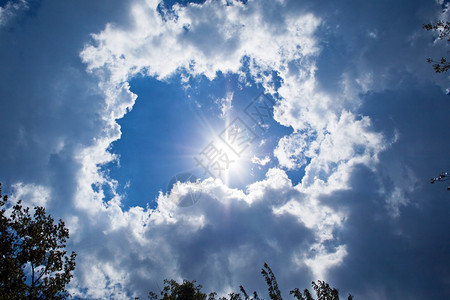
<point>62,121</point>
<point>220,42</point>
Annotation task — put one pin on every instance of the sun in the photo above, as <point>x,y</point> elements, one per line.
<point>228,143</point>
<point>227,153</point>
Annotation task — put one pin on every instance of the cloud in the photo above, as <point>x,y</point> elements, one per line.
<point>228,234</point>
<point>290,151</point>
<point>225,104</point>
<point>260,161</point>
<point>34,195</point>
<point>363,135</point>
<point>204,46</point>
<point>10,10</point>
<point>52,111</point>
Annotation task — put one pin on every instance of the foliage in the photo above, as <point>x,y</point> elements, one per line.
<point>274,292</point>
<point>175,291</point>
<point>188,290</point>
<point>33,260</point>
<point>443,28</point>
<point>323,292</point>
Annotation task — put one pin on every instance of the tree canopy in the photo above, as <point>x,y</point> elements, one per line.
<point>188,290</point>
<point>33,260</point>
<point>443,28</point>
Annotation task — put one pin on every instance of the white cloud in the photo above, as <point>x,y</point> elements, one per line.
<point>33,195</point>
<point>205,39</point>
<point>10,10</point>
<point>373,34</point>
<point>260,161</point>
<point>225,104</point>
<point>217,38</point>
<point>292,150</point>
<point>167,239</point>
<point>323,260</point>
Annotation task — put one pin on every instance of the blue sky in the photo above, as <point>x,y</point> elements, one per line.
<point>104,102</point>
<point>166,135</point>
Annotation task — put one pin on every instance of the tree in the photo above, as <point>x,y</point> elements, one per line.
<point>188,290</point>
<point>33,260</point>
<point>322,289</point>
<point>323,292</point>
<point>443,28</point>
<point>174,291</point>
<point>274,292</point>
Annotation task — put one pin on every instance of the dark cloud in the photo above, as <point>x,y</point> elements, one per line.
<point>393,257</point>
<point>399,256</point>
<point>51,107</point>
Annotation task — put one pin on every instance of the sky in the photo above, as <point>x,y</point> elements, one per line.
<point>199,139</point>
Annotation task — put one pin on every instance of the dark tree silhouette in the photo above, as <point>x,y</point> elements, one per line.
<point>33,260</point>
<point>274,292</point>
<point>188,290</point>
<point>174,291</point>
<point>443,28</point>
<point>323,292</point>
<point>444,176</point>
